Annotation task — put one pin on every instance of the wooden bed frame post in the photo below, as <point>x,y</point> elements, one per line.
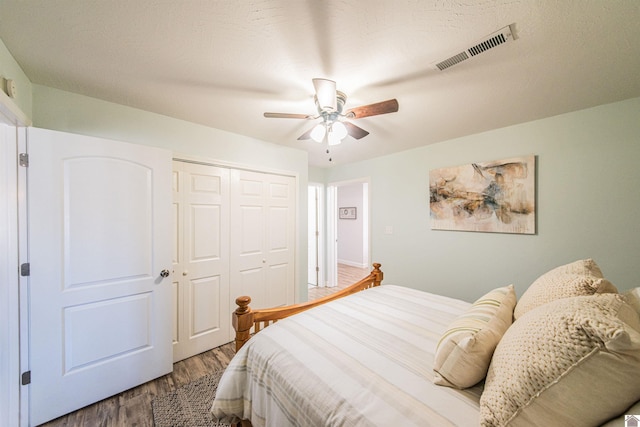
<point>242,321</point>
<point>378,274</point>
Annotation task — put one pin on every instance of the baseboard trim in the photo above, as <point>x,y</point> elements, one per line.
<point>352,263</point>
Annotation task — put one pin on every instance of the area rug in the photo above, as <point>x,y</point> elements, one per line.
<point>188,406</point>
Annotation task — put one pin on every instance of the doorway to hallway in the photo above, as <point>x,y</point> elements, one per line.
<point>335,239</point>
<point>347,275</point>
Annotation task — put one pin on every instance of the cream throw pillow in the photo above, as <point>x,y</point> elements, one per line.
<point>571,280</point>
<point>464,352</point>
<point>574,361</point>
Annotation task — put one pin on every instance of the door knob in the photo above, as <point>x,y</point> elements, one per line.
<point>164,273</point>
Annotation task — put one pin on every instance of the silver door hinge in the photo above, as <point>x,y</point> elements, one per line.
<point>26,378</point>
<point>23,159</point>
<point>25,269</point>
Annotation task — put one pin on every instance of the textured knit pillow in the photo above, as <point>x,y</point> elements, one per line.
<point>571,280</point>
<point>464,352</point>
<point>574,361</point>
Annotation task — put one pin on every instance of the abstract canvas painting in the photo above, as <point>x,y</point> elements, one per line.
<point>495,197</point>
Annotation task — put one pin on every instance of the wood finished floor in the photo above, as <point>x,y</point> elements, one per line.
<point>133,407</point>
<point>346,276</point>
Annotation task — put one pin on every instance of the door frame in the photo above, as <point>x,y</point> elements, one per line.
<point>9,278</point>
<point>319,217</point>
<point>14,397</point>
<point>332,225</point>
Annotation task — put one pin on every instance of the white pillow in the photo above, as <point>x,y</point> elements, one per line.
<point>464,352</point>
<point>581,277</point>
<point>573,361</point>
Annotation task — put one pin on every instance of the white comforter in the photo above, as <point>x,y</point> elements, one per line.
<point>363,360</point>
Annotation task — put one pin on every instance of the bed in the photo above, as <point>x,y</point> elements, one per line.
<point>391,355</point>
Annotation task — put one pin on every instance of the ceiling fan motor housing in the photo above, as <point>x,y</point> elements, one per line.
<point>328,112</point>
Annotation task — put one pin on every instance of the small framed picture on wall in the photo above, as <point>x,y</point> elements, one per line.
<point>347,213</point>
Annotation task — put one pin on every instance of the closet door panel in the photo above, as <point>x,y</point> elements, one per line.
<point>176,257</point>
<point>278,283</point>
<point>203,310</point>
<point>204,321</point>
<point>263,237</point>
<point>280,239</point>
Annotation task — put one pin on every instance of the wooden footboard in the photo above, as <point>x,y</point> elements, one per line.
<point>245,320</point>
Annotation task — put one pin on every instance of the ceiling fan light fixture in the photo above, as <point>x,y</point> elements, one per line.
<point>339,129</point>
<point>318,132</point>
<point>333,139</point>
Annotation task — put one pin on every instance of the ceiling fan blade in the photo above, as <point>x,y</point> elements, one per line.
<point>306,135</point>
<point>325,93</point>
<point>355,131</point>
<point>384,107</point>
<point>288,116</point>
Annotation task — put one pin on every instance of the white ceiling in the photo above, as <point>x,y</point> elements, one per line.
<point>223,63</point>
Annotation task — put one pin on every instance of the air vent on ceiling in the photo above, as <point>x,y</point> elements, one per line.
<point>492,40</point>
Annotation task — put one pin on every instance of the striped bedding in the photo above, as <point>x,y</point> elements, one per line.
<point>363,360</point>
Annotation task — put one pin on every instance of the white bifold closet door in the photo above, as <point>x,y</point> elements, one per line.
<point>201,302</point>
<point>234,234</point>
<point>262,246</point>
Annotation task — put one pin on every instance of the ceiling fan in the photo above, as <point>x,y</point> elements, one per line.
<point>334,126</point>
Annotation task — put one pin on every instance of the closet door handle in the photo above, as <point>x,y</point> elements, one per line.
<point>164,273</point>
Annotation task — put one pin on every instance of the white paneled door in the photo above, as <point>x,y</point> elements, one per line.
<point>202,317</point>
<point>99,240</point>
<point>263,228</point>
